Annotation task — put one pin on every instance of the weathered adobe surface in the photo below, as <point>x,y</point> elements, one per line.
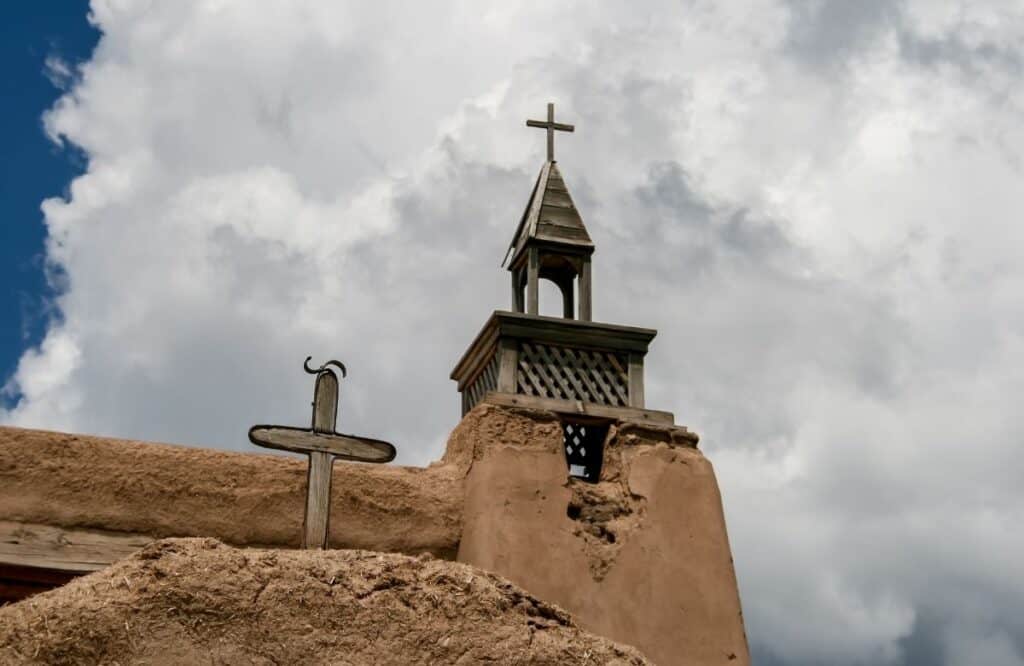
<point>77,481</point>
<point>642,556</point>
<point>200,601</point>
<point>161,490</point>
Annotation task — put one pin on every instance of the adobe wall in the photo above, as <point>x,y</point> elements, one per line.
<point>77,481</point>
<point>198,601</point>
<point>641,557</point>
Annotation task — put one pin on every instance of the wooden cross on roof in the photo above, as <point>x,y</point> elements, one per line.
<point>322,444</point>
<point>550,125</point>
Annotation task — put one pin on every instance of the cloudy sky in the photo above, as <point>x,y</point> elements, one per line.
<point>816,203</point>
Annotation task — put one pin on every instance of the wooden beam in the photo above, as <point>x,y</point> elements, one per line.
<point>302,440</point>
<point>508,363</point>
<point>318,501</point>
<point>533,281</point>
<point>477,356</point>
<point>574,333</point>
<point>325,404</point>
<point>628,414</point>
<point>517,290</point>
<point>586,287</point>
<point>60,549</point>
<point>636,380</point>
<point>568,301</point>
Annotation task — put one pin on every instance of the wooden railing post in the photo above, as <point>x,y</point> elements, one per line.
<point>508,363</point>
<point>636,380</point>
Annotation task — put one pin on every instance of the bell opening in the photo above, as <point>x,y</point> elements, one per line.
<point>583,444</point>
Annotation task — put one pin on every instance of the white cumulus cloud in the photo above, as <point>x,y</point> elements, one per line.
<point>815,203</point>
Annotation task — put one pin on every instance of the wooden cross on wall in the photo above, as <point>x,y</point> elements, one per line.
<point>550,125</point>
<point>322,444</point>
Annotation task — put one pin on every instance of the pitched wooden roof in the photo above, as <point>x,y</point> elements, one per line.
<point>550,216</point>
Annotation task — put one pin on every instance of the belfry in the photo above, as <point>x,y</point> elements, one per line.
<point>587,372</point>
<point>551,241</point>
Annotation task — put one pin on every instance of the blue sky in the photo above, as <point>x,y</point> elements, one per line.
<point>33,167</point>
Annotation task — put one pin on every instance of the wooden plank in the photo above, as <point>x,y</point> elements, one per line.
<point>557,199</point>
<point>555,181</point>
<point>325,402</point>
<point>536,200</point>
<point>568,300</point>
<point>486,380</point>
<point>517,290</point>
<point>532,281</point>
<point>318,500</point>
<point>480,364</point>
<point>476,357</point>
<point>586,302</point>
<point>636,380</point>
<point>626,414</point>
<point>62,549</point>
<point>562,216</point>
<point>548,230</point>
<point>469,363</point>
<point>512,256</point>
<point>569,333</point>
<point>491,373</point>
<point>508,362</point>
<point>300,440</point>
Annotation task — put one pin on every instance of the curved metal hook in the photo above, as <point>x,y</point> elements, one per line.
<point>338,364</point>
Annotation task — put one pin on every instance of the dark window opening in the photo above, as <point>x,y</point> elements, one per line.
<point>583,444</point>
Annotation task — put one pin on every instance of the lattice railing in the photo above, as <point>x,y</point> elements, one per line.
<point>486,381</point>
<point>552,371</point>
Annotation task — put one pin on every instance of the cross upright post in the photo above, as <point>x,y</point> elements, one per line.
<point>550,125</point>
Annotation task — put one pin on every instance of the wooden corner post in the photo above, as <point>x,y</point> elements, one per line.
<point>533,281</point>
<point>636,380</point>
<point>586,303</point>
<point>508,362</point>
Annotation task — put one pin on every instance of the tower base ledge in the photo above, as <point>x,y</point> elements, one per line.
<point>580,408</point>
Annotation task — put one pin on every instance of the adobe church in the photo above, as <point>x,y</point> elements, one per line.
<point>566,521</point>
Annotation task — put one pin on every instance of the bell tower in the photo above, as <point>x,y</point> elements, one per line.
<point>551,241</point>
<point>589,373</point>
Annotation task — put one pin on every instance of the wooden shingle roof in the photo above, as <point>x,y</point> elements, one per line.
<point>550,216</point>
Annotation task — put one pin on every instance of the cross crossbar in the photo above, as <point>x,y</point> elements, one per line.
<point>550,125</point>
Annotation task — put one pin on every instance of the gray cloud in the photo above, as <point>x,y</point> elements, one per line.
<point>829,32</point>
